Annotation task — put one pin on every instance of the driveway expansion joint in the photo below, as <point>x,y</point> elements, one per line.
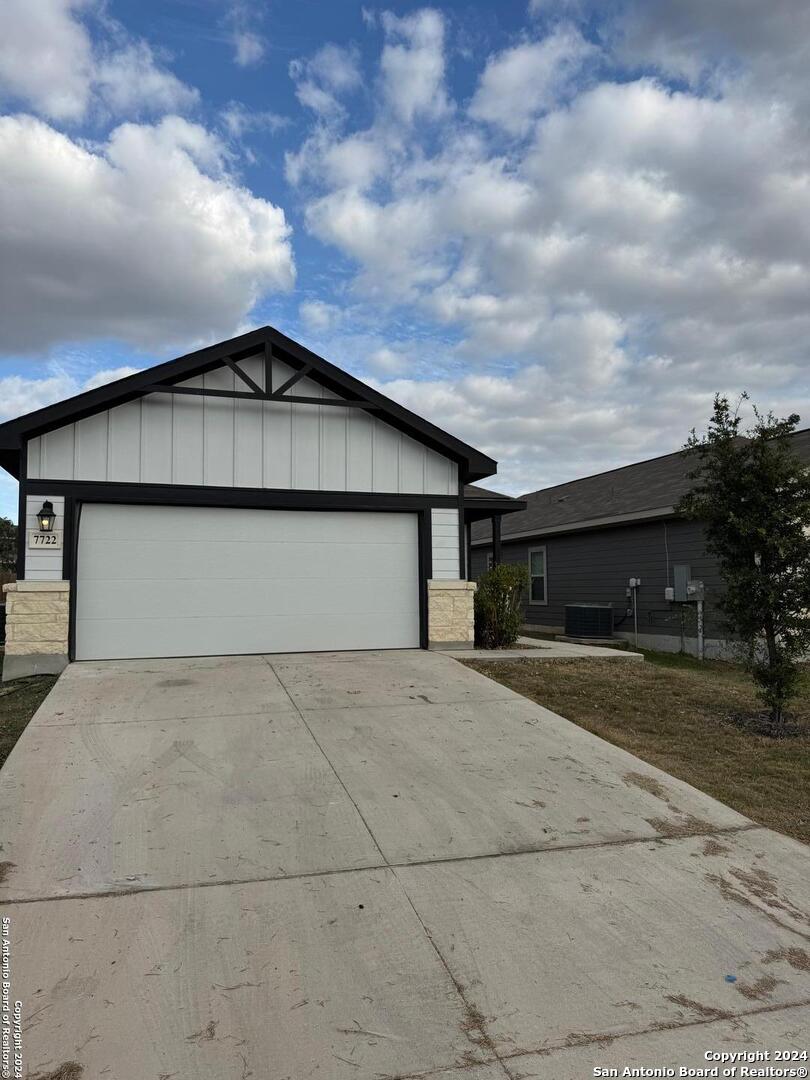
<point>328,761</point>
<point>443,860</point>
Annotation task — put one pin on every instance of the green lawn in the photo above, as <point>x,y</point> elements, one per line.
<point>677,713</point>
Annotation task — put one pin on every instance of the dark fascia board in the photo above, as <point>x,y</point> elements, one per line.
<point>260,498</point>
<point>10,461</point>
<point>474,465</point>
<point>476,509</point>
<point>638,517</point>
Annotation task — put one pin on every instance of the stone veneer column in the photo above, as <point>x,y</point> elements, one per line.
<point>451,621</point>
<point>37,619</point>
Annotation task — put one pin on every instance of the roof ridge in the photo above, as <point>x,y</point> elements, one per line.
<point>621,468</point>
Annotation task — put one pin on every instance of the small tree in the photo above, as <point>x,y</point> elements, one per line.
<point>8,544</point>
<point>497,605</point>
<point>752,493</point>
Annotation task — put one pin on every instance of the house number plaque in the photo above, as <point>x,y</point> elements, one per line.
<point>52,541</point>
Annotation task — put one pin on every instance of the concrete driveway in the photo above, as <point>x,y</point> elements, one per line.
<point>354,866</point>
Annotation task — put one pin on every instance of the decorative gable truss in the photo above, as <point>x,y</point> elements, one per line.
<point>247,421</point>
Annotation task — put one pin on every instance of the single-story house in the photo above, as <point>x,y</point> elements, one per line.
<point>582,543</point>
<point>249,497</point>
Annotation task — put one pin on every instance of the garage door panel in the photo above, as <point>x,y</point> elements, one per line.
<point>102,559</point>
<point>229,525</point>
<point>213,599</point>
<point>184,581</point>
<point>107,640</point>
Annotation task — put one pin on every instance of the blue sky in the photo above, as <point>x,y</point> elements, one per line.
<point>554,228</point>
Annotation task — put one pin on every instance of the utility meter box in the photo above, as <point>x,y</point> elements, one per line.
<point>681,576</point>
<point>695,590</point>
<point>669,593</point>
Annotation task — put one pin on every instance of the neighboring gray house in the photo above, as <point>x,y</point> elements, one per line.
<point>583,541</point>
<point>247,498</point>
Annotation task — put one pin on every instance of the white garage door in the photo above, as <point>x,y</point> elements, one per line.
<point>184,581</point>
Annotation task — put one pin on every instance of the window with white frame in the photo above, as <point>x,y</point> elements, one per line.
<point>537,576</point>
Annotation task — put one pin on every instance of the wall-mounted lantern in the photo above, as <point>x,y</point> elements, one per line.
<point>46,517</point>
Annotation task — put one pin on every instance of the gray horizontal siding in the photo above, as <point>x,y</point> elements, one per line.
<point>227,442</point>
<point>596,566</point>
<point>445,545</point>
<point>42,564</point>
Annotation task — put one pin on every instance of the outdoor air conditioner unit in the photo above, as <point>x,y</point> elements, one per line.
<point>589,620</point>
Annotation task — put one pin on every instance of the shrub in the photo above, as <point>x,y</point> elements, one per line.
<point>497,605</point>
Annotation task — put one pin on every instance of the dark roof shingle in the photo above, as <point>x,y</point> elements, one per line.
<point>630,491</point>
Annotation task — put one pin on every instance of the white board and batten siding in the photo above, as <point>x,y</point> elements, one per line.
<point>227,442</point>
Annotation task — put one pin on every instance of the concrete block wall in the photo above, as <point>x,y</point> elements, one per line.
<point>37,622</point>
<point>451,619</point>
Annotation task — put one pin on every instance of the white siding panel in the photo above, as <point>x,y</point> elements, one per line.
<point>306,442</point>
<point>360,451</point>
<point>334,425</point>
<point>385,457</point>
<point>226,442</point>
<point>124,444</point>
<point>253,367</point>
<point>248,444</point>
<point>156,439</point>
<point>34,455</point>
<point>411,465</point>
<point>440,474</point>
<point>90,448</point>
<point>43,565</point>
<point>277,445</point>
<point>188,436</point>
<point>57,454</point>
<point>445,543</point>
<point>219,426</point>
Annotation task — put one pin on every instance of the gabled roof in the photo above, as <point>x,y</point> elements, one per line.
<point>638,492</point>
<point>473,464</point>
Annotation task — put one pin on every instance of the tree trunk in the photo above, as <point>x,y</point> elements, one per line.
<point>777,696</point>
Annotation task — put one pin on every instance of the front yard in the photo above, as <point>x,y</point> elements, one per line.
<point>19,700</point>
<point>677,714</point>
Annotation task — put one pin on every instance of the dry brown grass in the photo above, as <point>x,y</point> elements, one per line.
<point>675,713</point>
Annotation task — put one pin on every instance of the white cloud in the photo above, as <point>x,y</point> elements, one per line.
<point>626,251</point>
<point>129,82</point>
<point>728,44</point>
<point>46,56</point>
<point>239,120</point>
<point>412,65</point>
<point>49,62</point>
<point>324,78</point>
<point>386,361</point>
<point>522,82</point>
<point>19,395</point>
<point>318,315</point>
<point>248,44</point>
<point>248,48</point>
<point>147,239</point>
